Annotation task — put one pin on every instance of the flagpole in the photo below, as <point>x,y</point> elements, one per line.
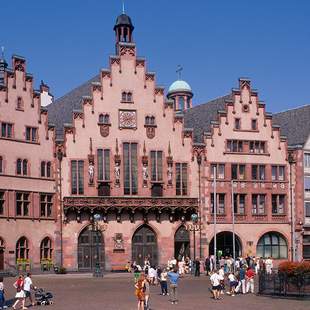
<point>233,222</point>
<point>214,213</point>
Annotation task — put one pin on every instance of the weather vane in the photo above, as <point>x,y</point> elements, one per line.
<point>179,71</point>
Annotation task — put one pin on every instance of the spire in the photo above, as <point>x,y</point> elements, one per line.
<point>123,11</point>
<point>3,66</point>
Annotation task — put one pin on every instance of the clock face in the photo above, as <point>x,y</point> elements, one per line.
<point>127,119</point>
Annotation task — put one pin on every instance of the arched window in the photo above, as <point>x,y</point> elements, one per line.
<point>181,103</point>
<point>188,99</point>
<point>147,120</point>
<point>272,244</point>
<point>152,120</point>
<point>124,96</point>
<point>107,119</point>
<point>22,248</point>
<point>25,167</point>
<point>101,118</point>
<point>46,250</point>
<point>2,245</point>
<point>42,168</point>
<point>19,166</point>
<point>48,169</point>
<point>129,96</point>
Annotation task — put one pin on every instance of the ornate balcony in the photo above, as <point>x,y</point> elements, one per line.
<point>176,207</point>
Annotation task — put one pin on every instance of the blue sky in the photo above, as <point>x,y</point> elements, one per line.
<point>66,42</point>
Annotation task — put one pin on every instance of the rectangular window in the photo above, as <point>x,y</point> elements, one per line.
<point>237,123</point>
<point>307,209</point>
<point>1,164</point>
<point>307,160</point>
<point>257,147</point>
<point>130,154</point>
<point>31,134</point>
<point>258,203</point>
<point>103,162</point>
<point>254,124</point>
<point>220,171</point>
<point>237,172</point>
<point>277,204</point>
<point>307,184</point>
<point>22,204</point>
<point>2,203</point>
<point>157,165</point>
<point>277,173</point>
<point>258,172</point>
<point>46,205</point>
<point>235,146</point>
<point>239,203</point>
<point>220,203</point>
<point>77,177</point>
<point>181,179</point>
<point>6,130</point>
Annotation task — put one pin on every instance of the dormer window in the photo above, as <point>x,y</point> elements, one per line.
<point>126,96</point>
<point>254,124</point>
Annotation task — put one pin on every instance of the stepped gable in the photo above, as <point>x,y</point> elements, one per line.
<point>200,117</point>
<point>295,124</point>
<point>60,111</point>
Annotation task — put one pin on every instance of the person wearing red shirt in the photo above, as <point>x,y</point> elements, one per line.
<point>249,276</point>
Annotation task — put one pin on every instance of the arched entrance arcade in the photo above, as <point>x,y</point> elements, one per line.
<point>224,244</point>
<point>144,245</point>
<point>181,243</point>
<point>90,249</point>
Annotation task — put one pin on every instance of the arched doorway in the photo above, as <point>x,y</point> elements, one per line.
<point>1,254</point>
<point>90,249</point>
<point>224,244</point>
<point>181,243</point>
<point>144,245</point>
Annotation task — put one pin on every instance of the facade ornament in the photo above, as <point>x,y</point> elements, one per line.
<point>117,173</point>
<point>118,242</point>
<point>169,166</point>
<point>145,161</point>
<point>91,163</point>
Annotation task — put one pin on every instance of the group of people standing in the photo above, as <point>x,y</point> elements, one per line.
<point>150,275</point>
<point>23,286</point>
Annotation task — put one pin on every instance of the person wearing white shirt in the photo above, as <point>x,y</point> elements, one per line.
<point>28,285</point>
<point>216,279</point>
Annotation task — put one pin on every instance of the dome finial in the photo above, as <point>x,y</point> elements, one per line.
<point>179,71</point>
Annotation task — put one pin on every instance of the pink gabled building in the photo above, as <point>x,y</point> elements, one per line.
<point>27,176</point>
<point>252,173</point>
<point>126,157</point>
<point>124,168</point>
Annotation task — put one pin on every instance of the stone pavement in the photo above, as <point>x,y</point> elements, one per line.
<point>116,292</point>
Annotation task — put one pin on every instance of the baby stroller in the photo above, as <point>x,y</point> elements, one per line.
<point>42,297</point>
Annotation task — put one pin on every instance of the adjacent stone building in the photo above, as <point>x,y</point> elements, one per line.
<point>28,211</point>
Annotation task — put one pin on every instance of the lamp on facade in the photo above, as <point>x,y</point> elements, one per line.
<point>97,230</point>
<point>193,227</point>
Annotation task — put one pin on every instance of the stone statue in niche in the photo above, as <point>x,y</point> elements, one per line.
<point>118,241</point>
<point>169,174</point>
<point>117,173</point>
<point>145,175</point>
<point>91,173</point>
